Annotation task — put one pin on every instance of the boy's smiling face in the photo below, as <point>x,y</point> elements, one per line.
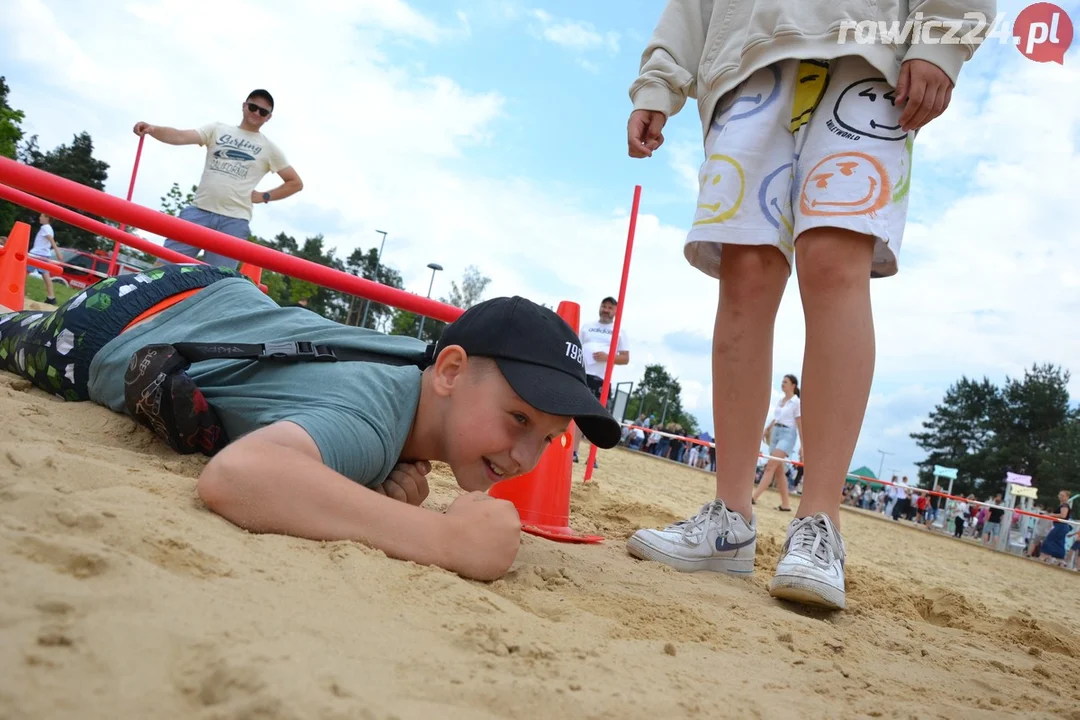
<point>488,432</point>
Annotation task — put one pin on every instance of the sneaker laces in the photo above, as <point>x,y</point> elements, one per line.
<point>693,529</point>
<point>816,539</point>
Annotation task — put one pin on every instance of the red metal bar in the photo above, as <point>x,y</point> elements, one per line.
<point>71,193</point>
<point>43,265</point>
<point>618,320</point>
<point>131,190</point>
<point>81,221</point>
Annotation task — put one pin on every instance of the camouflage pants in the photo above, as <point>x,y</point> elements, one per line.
<point>53,350</point>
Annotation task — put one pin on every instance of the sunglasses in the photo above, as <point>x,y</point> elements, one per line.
<point>252,107</point>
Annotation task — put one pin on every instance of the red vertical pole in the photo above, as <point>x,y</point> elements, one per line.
<point>131,190</point>
<point>618,320</point>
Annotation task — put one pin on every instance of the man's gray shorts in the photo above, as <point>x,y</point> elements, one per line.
<point>237,227</point>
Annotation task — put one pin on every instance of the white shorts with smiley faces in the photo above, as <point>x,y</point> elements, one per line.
<point>804,144</point>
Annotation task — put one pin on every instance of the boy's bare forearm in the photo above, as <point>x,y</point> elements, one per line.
<point>268,488</point>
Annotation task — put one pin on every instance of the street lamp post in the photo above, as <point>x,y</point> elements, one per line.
<point>881,466</point>
<point>435,267</point>
<point>378,262</point>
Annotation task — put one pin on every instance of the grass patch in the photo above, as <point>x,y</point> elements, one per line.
<point>35,290</point>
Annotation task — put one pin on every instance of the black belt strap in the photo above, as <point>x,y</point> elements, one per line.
<point>288,352</point>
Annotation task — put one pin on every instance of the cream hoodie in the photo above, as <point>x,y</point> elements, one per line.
<point>704,48</point>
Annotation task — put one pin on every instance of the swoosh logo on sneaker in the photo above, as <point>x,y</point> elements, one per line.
<point>722,545</point>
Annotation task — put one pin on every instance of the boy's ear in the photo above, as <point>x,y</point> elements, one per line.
<point>449,369</point>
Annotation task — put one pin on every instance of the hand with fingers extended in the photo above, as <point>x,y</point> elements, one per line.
<point>407,482</point>
<point>643,132</point>
<point>925,90</point>
<point>486,536</point>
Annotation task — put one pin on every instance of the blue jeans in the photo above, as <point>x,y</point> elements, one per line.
<point>237,227</point>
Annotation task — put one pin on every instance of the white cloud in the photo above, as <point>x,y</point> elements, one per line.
<point>386,146</point>
<point>574,35</point>
<point>685,159</point>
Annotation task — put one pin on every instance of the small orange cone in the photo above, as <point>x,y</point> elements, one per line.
<point>542,497</point>
<point>255,273</point>
<point>13,267</point>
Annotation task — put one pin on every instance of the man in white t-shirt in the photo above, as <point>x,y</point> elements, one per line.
<point>595,342</point>
<point>44,247</point>
<point>903,499</point>
<point>237,159</point>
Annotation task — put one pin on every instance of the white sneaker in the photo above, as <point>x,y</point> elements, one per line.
<point>811,567</point>
<point>715,539</point>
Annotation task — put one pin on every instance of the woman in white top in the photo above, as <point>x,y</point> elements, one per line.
<point>784,428</point>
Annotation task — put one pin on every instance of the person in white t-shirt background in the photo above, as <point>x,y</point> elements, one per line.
<point>903,501</point>
<point>595,342</point>
<point>45,247</point>
<point>783,430</point>
<point>238,157</point>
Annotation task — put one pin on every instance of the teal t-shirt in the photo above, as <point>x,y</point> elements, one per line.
<point>358,413</point>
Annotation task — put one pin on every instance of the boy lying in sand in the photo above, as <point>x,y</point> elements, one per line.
<point>324,450</point>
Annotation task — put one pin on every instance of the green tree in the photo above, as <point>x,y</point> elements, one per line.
<point>984,431</point>
<point>1059,462</point>
<point>464,296</point>
<point>660,395</point>
<point>407,323</point>
<point>959,432</point>
<point>471,290</point>
<point>75,162</point>
<point>1028,414</point>
<point>286,290</point>
<point>11,134</point>
<point>365,264</point>
<point>175,200</point>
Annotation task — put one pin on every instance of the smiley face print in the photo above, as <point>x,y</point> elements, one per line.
<point>811,82</point>
<point>904,183</point>
<point>758,92</point>
<point>868,108</point>
<point>774,200</point>
<point>850,183</point>
<point>723,185</point>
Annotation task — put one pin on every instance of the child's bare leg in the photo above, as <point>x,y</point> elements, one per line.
<point>48,285</point>
<point>782,482</point>
<point>834,281</point>
<point>774,470</point>
<point>766,479</point>
<point>752,280</point>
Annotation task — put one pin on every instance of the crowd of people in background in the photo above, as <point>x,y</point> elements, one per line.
<point>646,438</point>
<point>977,521</point>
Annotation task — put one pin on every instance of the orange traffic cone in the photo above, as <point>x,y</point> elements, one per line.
<point>13,267</point>
<point>542,497</point>
<point>255,273</point>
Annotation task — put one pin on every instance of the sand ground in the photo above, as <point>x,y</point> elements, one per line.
<point>122,597</point>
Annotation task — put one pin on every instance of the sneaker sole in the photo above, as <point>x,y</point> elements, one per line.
<point>807,592</point>
<point>729,566</point>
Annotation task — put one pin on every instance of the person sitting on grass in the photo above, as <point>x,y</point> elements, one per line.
<point>325,450</point>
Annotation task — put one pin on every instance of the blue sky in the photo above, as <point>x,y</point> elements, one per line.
<point>492,133</point>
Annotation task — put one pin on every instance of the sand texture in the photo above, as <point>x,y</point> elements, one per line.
<point>121,596</point>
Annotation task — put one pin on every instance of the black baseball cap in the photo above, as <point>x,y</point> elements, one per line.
<point>540,355</point>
